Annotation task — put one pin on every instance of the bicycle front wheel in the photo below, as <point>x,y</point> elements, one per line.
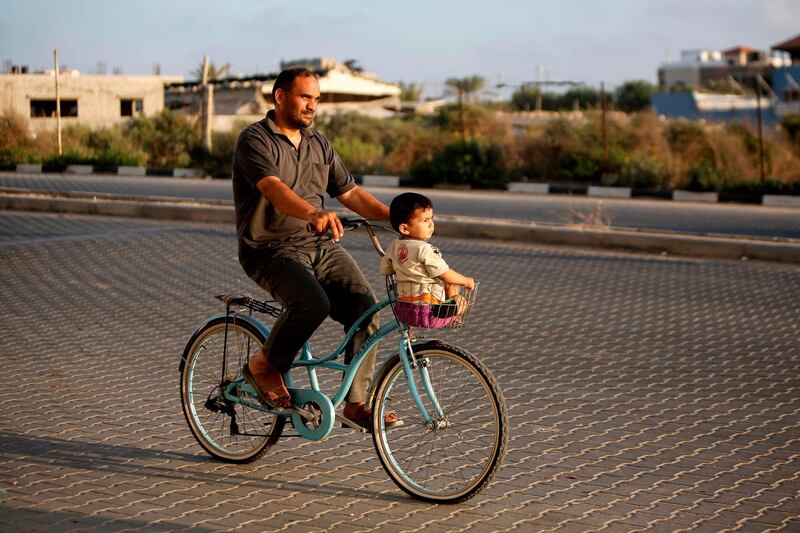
<point>229,431</point>
<point>455,456</point>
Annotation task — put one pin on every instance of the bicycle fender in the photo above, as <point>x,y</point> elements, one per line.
<point>212,320</point>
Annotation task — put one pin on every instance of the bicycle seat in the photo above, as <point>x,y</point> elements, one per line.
<point>235,299</point>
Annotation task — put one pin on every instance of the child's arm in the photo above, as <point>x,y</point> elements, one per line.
<point>451,277</point>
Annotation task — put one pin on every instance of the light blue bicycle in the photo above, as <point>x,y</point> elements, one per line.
<point>455,429</point>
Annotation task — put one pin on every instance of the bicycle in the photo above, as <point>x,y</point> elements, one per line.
<point>455,430</point>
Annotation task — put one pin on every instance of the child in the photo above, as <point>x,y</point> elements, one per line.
<point>422,275</point>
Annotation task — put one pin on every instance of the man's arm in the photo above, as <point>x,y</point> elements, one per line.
<point>288,202</point>
<point>363,203</point>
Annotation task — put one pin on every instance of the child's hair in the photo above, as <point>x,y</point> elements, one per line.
<point>403,206</point>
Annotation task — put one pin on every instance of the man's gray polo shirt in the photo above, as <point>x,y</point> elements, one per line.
<point>311,172</point>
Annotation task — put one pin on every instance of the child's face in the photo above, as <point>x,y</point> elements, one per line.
<point>420,226</point>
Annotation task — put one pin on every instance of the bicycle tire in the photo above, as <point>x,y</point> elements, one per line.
<point>228,431</point>
<point>455,462</point>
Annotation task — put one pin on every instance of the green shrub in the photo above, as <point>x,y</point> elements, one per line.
<point>462,163</point>
<point>791,125</point>
<point>640,172</point>
<point>582,166</point>
<point>634,96</point>
<point>357,155</point>
<point>167,139</point>
<point>682,134</point>
<point>219,161</point>
<point>706,175</point>
<point>59,163</point>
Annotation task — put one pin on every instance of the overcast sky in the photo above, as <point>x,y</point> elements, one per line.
<point>412,41</point>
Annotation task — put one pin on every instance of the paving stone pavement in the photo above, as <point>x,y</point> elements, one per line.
<point>645,393</point>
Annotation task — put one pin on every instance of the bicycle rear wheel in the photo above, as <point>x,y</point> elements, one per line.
<point>458,455</point>
<point>229,431</point>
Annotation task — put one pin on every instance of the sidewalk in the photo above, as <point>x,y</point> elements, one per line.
<point>644,392</point>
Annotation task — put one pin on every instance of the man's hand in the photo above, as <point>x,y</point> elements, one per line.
<point>322,221</point>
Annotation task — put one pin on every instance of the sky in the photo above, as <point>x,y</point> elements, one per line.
<point>424,42</point>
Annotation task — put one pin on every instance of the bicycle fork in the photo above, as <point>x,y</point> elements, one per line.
<point>411,363</point>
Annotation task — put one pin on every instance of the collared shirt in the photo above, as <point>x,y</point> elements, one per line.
<point>310,171</point>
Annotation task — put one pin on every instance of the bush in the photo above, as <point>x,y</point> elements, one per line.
<point>634,96</point>
<point>358,155</point>
<point>640,172</point>
<point>682,135</point>
<point>463,163</point>
<point>791,125</point>
<point>168,139</point>
<point>59,163</point>
<point>477,120</point>
<point>219,161</point>
<point>706,175</point>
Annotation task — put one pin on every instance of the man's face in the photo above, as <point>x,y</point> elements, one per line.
<point>298,105</point>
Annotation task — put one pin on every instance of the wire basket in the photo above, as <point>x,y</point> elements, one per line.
<point>420,307</point>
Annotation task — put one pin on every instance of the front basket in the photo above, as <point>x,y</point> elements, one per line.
<point>420,310</point>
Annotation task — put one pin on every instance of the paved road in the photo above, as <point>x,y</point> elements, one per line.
<point>645,393</point>
<point>728,219</point>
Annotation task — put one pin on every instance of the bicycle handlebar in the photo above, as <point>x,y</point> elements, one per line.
<point>355,223</point>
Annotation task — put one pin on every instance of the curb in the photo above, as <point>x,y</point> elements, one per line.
<point>596,191</point>
<point>87,170</point>
<point>787,251</point>
<point>520,187</point>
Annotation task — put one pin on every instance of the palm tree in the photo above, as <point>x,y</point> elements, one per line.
<point>465,87</point>
<point>353,65</point>
<point>214,72</point>
<point>411,92</point>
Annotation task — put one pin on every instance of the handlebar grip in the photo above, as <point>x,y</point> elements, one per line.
<point>352,223</point>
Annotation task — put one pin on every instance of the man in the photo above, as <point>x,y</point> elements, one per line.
<point>281,171</point>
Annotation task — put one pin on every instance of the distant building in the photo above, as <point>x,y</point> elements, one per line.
<point>722,85</point>
<point>96,101</point>
<point>731,69</point>
<point>240,100</point>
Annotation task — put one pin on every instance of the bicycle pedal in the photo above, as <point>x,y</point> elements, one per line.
<point>308,416</point>
<point>351,424</point>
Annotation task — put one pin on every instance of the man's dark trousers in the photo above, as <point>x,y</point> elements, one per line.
<point>312,282</point>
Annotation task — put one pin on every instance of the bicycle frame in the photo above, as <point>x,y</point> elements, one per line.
<point>326,403</point>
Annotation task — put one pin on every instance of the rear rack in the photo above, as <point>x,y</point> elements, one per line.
<point>247,301</point>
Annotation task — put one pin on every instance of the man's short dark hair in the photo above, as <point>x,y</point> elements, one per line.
<point>404,205</point>
<point>285,79</point>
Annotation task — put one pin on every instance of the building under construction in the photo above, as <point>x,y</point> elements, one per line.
<point>247,99</point>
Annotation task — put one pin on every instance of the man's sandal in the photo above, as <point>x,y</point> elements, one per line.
<point>269,399</point>
<point>363,419</point>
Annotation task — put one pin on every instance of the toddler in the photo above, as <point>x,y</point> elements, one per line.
<point>423,277</point>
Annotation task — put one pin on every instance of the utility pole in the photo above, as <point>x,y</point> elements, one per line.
<point>604,127</point>
<point>461,112</point>
<point>760,134</point>
<point>207,109</point>
<point>58,100</point>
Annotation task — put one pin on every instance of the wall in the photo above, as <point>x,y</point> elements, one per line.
<point>98,97</point>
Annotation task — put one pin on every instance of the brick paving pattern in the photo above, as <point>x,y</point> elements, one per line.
<point>645,393</point>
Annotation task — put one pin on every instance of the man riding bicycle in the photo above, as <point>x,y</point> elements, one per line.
<point>282,169</point>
